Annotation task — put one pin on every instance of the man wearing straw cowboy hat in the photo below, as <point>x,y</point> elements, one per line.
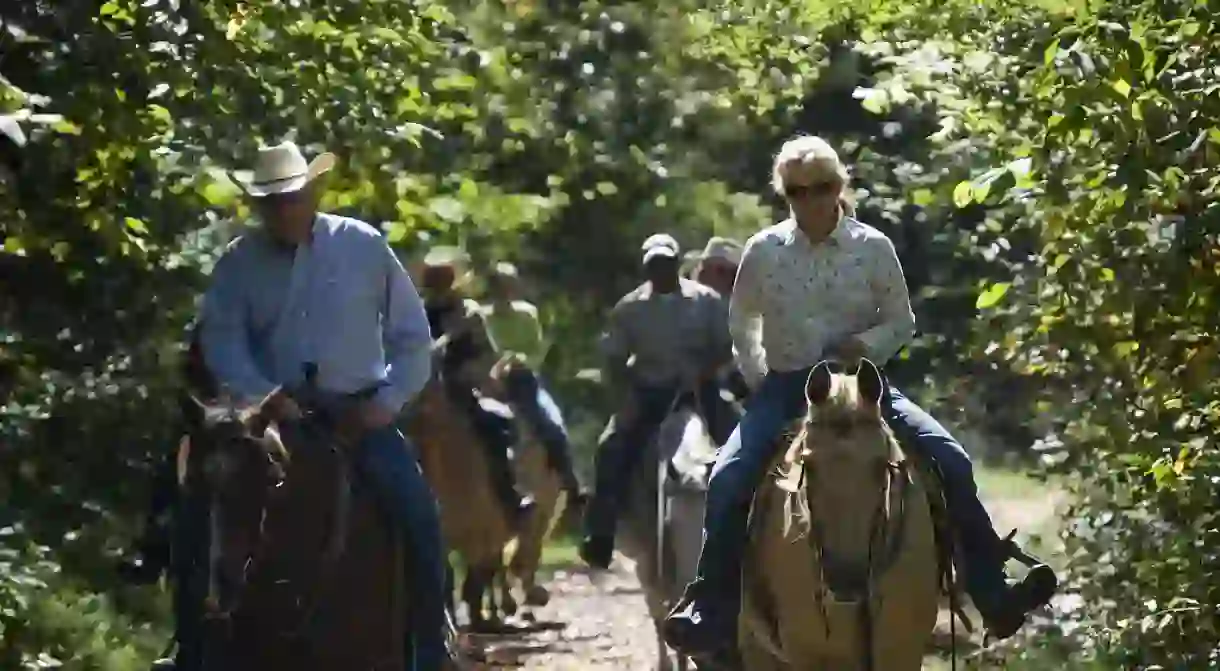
<point>467,357</point>
<point>717,265</point>
<point>316,295</point>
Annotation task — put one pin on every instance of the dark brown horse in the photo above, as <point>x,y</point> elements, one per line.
<point>302,570</point>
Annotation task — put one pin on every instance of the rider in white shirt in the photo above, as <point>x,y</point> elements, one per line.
<point>823,285</point>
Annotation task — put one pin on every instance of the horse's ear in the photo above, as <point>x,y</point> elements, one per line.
<point>869,382</point>
<point>818,386</point>
<point>267,399</point>
<point>183,460</point>
<point>193,410</point>
<point>256,418</point>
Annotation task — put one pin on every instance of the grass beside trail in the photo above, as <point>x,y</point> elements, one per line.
<point>560,553</point>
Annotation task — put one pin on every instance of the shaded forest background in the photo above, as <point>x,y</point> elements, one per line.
<point>1047,170</point>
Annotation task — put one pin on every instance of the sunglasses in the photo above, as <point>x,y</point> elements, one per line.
<point>799,191</point>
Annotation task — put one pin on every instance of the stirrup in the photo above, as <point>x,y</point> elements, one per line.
<point>1013,550</point>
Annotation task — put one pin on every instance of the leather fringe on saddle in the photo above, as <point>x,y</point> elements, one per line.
<point>946,550</point>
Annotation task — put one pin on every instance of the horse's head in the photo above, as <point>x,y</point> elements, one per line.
<point>843,427</point>
<point>229,465</point>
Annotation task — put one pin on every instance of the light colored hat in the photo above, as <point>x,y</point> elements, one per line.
<point>446,256</point>
<point>506,270</point>
<point>282,169</point>
<point>723,248</point>
<point>658,245</point>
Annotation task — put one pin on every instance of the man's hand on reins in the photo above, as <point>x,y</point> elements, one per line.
<point>360,418</point>
<point>280,406</point>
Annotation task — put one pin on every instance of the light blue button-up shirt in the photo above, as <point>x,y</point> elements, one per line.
<point>342,301</point>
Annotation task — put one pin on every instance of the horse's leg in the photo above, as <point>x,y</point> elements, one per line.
<point>451,589</point>
<point>472,596</point>
<point>663,661</point>
<point>507,602</point>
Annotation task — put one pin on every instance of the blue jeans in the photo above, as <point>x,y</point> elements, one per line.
<point>388,463</point>
<point>621,447</point>
<point>973,531</point>
<point>531,400</point>
<point>742,463</point>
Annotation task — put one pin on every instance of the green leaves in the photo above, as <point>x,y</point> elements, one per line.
<point>992,295</point>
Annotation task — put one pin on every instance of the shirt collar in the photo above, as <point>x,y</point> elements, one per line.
<point>320,222</point>
<point>843,232</point>
<point>686,289</point>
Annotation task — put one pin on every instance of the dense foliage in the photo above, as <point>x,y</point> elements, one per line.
<point>1048,173</point>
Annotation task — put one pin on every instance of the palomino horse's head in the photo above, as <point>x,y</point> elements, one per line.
<point>844,427</point>
<point>229,465</point>
<point>849,462</point>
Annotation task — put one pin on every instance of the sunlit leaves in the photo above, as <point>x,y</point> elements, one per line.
<point>992,295</point>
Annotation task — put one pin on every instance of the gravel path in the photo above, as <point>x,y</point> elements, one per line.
<point>593,623</point>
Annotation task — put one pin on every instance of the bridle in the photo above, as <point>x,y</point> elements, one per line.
<point>218,616</point>
<point>838,581</point>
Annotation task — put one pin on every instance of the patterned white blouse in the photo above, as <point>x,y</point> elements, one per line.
<point>794,300</point>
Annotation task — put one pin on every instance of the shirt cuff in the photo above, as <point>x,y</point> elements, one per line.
<point>390,399</point>
<point>876,343</point>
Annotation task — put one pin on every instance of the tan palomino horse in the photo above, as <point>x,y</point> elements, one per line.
<point>300,567</point>
<point>536,477</point>
<point>841,570</point>
<point>472,520</point>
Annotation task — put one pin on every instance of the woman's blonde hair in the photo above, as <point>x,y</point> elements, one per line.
<point>817,154</point>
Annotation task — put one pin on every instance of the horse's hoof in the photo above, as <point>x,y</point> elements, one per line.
<point>537,596</point>
<point>509,606</point>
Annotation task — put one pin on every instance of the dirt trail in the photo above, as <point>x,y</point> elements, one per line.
<point>604,623</point>
<point>601,624</point>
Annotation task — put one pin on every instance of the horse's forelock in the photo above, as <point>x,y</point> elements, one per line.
<point>246,417</point>
<point>845,403</point>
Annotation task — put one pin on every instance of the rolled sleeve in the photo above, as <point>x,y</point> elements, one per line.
<point>745,317</point>
<point>897,322</point>
<point>224,330</point>
<point>406,337</point>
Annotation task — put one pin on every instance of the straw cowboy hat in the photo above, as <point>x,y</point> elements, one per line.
<point>722,248</point>
<point>282,169</point>
<point>446,256</point>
